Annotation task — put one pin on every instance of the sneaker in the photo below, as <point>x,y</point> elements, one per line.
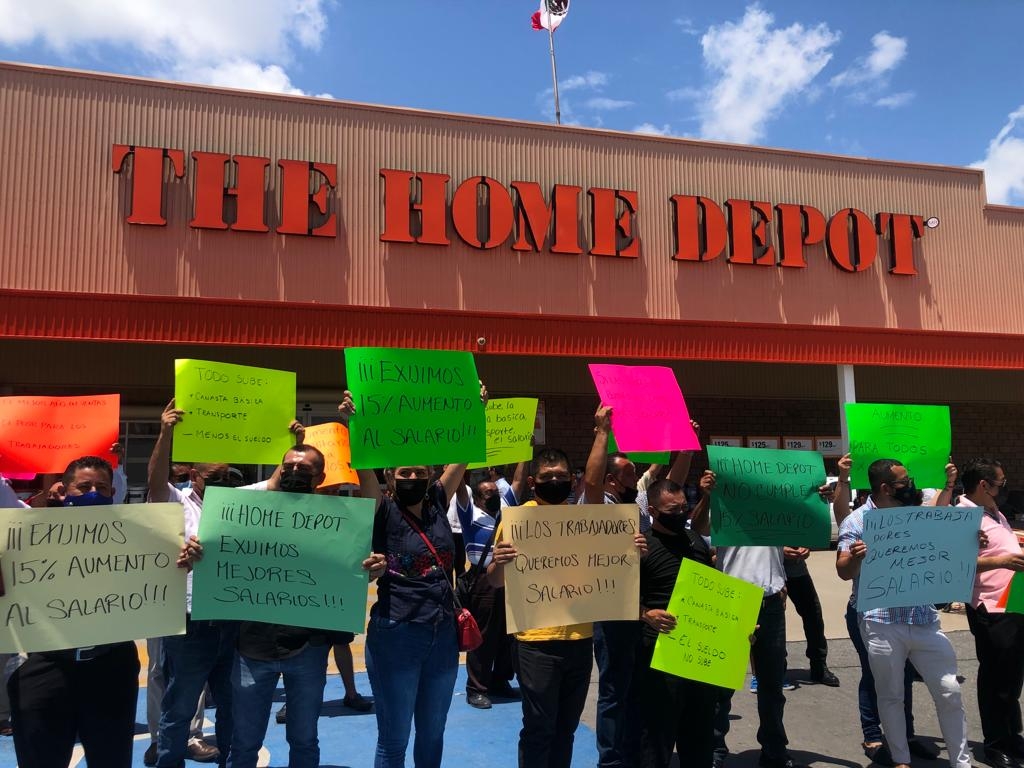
<point>788,686</point>
<point>282,715</point>
<point>753,683</point>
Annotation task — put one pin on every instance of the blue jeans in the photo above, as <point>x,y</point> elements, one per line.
<point>412,669</point>
<point>615,644</point>
<point>870,724</point>
<point>305,676</point>
<point>206,652</point>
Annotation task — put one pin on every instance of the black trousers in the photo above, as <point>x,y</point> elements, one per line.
<point>554,677</point>
<point>492,661</point>
<point>805,599</point>
<point>56,699</point>
<point>674,713</point>
<point>769,657</point>
<point>999,643</point>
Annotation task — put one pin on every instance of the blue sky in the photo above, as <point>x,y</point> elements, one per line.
<point>939,81</point>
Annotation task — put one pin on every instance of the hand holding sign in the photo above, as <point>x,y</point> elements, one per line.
<point>649,413</point>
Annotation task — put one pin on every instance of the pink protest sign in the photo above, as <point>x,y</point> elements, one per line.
<point>648,409</point>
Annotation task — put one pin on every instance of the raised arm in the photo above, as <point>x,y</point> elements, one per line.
<point>597,462</point>
<point>453,474</point>
<point>680,468</point>
<point>841,499</point>
<point>518,484</point>
<point>700,518</point>
<point>369,488</point>
<point>945,496</point>
<point>159,469</point>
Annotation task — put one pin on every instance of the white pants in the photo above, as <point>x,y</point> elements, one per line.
<point>155,685</point>
<point>889,646</point>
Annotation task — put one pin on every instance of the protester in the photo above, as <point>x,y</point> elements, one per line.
<point>412,654</point>
<point>894,635</point>
<point>489,667</point>
<point>801,591</point>
<point>998,635</point>
<point>673,711</point>
<point>611,479</point>
<point>206,652</point>
<point>764,567</point>
<point>54,694</point>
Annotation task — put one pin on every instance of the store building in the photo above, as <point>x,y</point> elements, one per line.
<point>142,221</point>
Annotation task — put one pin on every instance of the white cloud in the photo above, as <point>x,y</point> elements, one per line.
<point>686,93</point>
<point>653,130</point>
<point>239,43</point>
<point>895,100</point>
<point>686,26</point>
<point>603,103</point>
<point>1004,162</point>
<point>591,80</point>
<point>886,54</point>
<point>758,67</point>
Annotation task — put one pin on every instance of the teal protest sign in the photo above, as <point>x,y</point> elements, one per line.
<point>918,556</point>
<point>283,558</point>
<point>918,436</point>
<point>414,406</point>
<point>768,497</point>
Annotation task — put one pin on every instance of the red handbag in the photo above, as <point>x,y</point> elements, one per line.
<point>467,631</point>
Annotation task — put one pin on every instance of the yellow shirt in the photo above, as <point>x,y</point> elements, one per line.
<point>567,632</point>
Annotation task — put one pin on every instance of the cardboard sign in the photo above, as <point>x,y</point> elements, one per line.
<point>233,413</point>
<point>283,558</point>
<point>414,407</point>
<point>918,436</point>
<point>765,497</point>
<point>715,616</point>
<point>510,427</point>
<point>918,555</point>
<point>576,563</point>
<point>332,441</point>
<point>648,410</point>
<point>81,576</point>
<point>40,434</point>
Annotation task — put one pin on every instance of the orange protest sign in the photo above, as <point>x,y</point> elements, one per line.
<point>332,440</point>
<point>44,434</point>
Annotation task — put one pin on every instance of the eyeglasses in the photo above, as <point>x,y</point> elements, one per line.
<point>998,483</point>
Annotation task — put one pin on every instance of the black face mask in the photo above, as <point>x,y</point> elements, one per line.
<point>493,504</point>
<point>217,481</point>
<point>553,491</point>
<point>909,495</point>
<point>674,523</point>
<point>628,495</point>
<point>297,481</point>
<point>409,493</point>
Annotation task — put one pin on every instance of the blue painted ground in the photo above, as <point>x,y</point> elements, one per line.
<point>347,739</point>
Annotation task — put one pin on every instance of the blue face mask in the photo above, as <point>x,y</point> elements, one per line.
<point>91,499</point>
<point>184,485</point>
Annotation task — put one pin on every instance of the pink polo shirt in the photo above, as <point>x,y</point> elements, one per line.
<point>990,585</point>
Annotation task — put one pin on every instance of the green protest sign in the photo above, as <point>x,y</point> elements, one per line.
<point>1013,598</point>
<point>414,406</point>
<point>233,413</point>
<point>509,430</point>
<point>768,497</point>
<point>657,457</point>
<point>918,436</point>
<point>715,617</point>
<point>283,558</point>
<point>81,576</point>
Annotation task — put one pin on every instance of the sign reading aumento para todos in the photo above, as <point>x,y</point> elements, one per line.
<point>432,209</point>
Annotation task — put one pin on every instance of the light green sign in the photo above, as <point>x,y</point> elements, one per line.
<point>81,576</point>
<point>767,497</point>
<point>715,617</point>
<point>413,407</point>
<point>234,414</point>
<point>509,430</point>
<point>918,436</point>
<point>283,558</point>
<point>657,457</point>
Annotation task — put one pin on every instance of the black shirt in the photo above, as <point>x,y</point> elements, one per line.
<point>272,642</point>
<point>659,569</point>
<point>414,588</point>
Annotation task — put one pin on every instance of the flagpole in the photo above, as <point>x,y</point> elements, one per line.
<point>554,74</point>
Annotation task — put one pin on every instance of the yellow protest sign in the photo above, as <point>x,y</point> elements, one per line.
<point>715,616</point>
<point>333,442</point>
<point>233,413</point>
<point>576,563</point>
<point>81,576</point>
<point>510,423</point>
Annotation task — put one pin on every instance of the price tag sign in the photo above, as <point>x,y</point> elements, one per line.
<point>798,443</point>
<point>759,441</point>
<point>732,441</point>
<point>829,446</point>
